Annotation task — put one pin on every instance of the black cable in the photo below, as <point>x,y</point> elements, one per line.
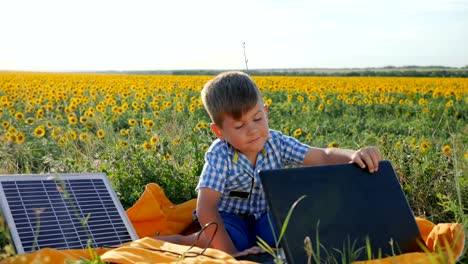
<point>200,233</point>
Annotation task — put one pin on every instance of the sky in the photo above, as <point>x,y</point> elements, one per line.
<point>134,35</point>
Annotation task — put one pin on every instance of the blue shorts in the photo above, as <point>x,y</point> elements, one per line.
<point>244,230</point>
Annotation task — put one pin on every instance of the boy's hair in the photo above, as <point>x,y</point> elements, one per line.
<point>232,93</point>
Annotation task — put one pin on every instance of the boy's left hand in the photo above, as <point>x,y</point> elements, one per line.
<point>367,157</point>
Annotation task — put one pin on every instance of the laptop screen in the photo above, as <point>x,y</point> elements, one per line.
<point>347,213</point>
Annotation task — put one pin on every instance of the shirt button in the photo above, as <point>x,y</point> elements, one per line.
<point>254,204</point>
<point>257,188</point>
<point>237,180</point>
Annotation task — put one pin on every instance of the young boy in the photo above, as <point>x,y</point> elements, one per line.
<point>229,190</point>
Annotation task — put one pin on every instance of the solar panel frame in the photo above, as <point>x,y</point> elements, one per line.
<point>88,200</point>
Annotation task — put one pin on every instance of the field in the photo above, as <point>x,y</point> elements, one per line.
<point>153,128</point>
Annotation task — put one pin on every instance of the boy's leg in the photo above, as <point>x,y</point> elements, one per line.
<point>238,230</point>
<point>265,227</point>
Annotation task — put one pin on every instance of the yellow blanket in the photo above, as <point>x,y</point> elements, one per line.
<point>154,213</point>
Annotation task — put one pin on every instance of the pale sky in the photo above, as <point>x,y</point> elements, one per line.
<point>97,35</point>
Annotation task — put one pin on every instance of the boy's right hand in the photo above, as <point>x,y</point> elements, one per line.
<point>367,157</point>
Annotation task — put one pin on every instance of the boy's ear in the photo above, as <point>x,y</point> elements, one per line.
<point>265,107</point>
<point>217,131</point>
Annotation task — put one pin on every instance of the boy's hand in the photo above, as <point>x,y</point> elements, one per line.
<point>367,157</point>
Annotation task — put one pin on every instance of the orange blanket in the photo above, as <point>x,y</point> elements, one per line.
<point>153,213</point>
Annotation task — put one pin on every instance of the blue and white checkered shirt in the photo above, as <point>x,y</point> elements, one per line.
<point>230,172</point>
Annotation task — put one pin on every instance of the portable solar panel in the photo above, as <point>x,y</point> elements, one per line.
<point>63,211</point>
<point>346,211</point>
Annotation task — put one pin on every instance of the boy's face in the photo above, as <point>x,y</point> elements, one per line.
<point>247,134</point>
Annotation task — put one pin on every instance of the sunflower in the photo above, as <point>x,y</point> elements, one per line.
<point>39,131</point>
<point>149,123</point>
<point>19,116</point>
<point>320,107</point>
<point>154,140</point>
<point>192,108</point>
<point>177,141</point>
<point>84,137</point>
<point>62,141</point>
<point>203,147</point>
<point>100,133</point>
<point>333,144</point>
<point>90,114</point>
<point>147,146</point>
<point>5,124</point>
<point>123,144</point>
<point>100,108</point>
<point>72,120</point>
<point>424,146</point>
<point>56,132</point>
<point>132,122</point>
<point>167,157</point>
<point>124,132</point>
<point>29,121</point>
<point>83,120</point>
<point>447,150</point>
<point>20,137</point>
<point>72,134</point>
<point>297,132</point>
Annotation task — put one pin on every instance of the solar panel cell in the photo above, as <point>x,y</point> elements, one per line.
<point>42,212</point>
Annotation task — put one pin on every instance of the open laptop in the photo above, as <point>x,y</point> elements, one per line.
<point>347,213</point>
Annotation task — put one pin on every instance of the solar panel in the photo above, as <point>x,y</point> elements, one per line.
<point>63,211</point>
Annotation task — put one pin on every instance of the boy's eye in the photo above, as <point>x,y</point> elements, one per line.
<point>238,127</point>
<point>257,119</point>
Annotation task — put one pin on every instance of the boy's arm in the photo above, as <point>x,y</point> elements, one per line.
<point>207,211</point>
<point>365,157</point>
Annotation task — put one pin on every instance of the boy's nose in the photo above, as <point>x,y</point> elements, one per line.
<point>252,128</point>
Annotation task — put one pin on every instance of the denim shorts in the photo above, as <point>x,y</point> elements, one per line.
<point>244,230</point>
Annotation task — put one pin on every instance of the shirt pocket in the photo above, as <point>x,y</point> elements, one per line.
<point>238,186</point>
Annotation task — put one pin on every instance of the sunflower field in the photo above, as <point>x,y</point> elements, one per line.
<point>153,128</point>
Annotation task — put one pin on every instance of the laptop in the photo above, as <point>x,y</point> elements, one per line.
<point>347,213</point>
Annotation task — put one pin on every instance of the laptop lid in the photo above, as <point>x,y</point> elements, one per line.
<point>351,213</point>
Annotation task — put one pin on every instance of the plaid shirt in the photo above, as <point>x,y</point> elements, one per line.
<point>230,172</point>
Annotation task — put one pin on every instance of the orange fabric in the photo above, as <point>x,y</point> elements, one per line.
<point>49,255</point>
<point>148,250</point>
<point>445,243</point>
<point>153,212</point>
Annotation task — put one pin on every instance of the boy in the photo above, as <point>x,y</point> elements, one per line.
<point>229,190</point>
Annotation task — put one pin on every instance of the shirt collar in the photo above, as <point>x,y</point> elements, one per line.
<point>235,153</point>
